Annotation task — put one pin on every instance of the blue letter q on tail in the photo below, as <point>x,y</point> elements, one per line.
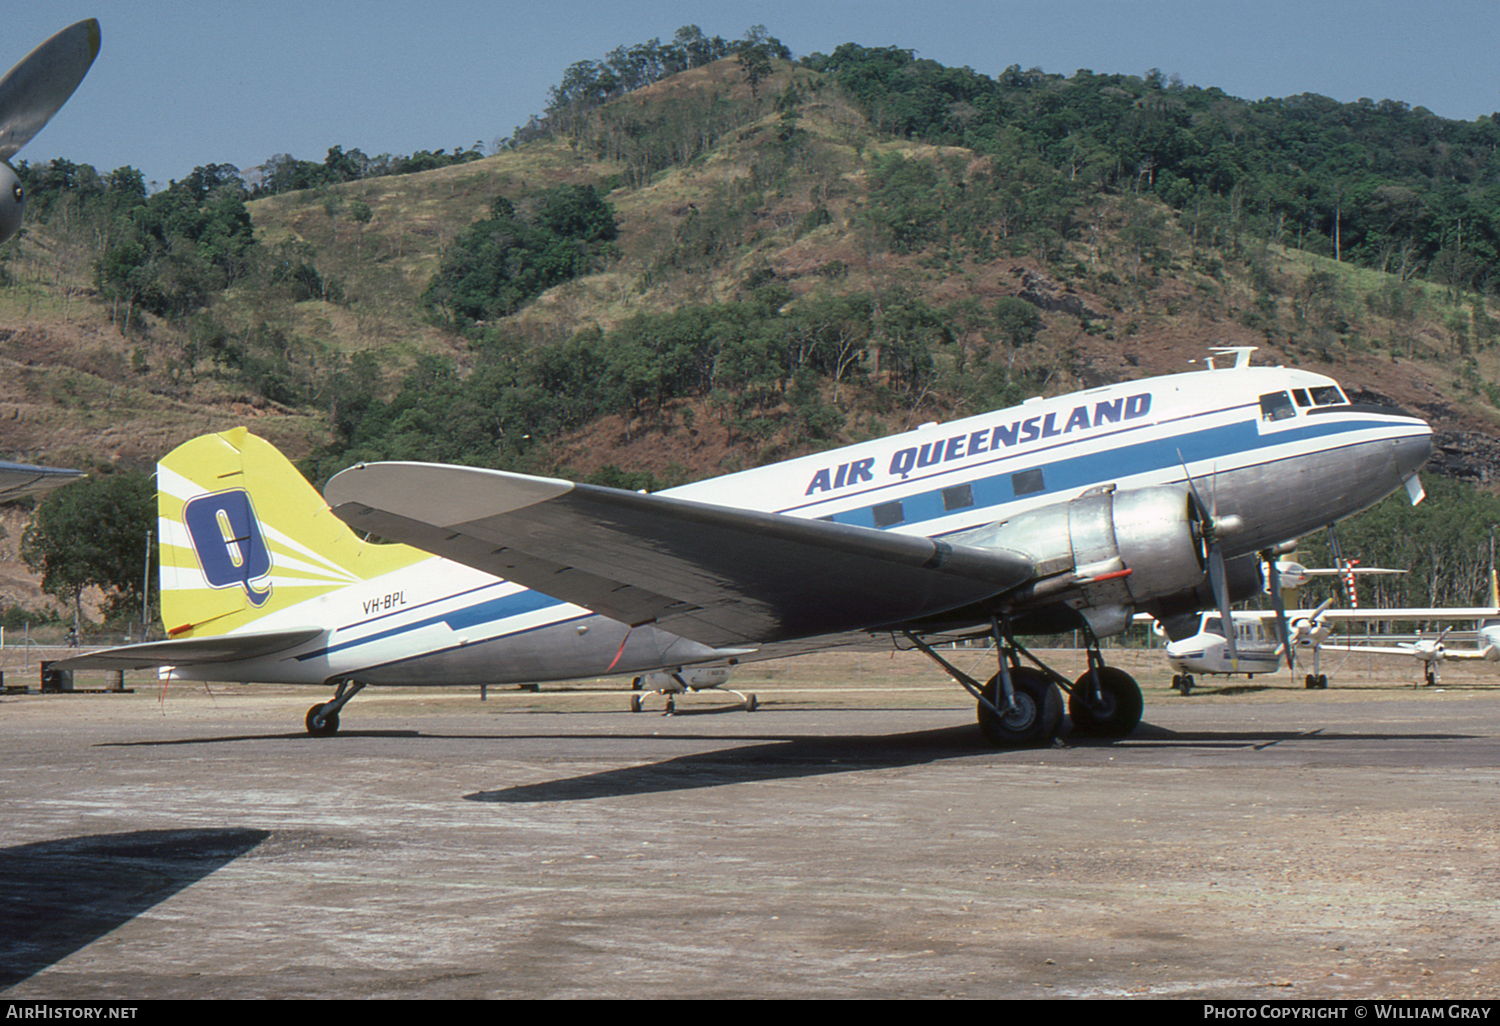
<point>229,543</point>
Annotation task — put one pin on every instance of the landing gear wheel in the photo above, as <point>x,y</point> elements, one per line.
<point>1034,720</point>
<point>751,703</point>
<point>1322,682</point>
<point>1310,683</point>
<point>320,724</point>
<point>1431,678</point>
<point>635,703</point>
<point>1183,682</point>
<point>1119,710</point>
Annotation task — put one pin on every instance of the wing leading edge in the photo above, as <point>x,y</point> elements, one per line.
<point>715,574</point>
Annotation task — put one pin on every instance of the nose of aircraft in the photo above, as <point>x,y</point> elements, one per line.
<point>1413,451</point>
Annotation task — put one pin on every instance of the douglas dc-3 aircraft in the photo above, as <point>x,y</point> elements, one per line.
<point>1059,514</point>
<point>30,93</point>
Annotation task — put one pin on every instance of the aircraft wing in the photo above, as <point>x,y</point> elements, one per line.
<point>224,648</point>
<point>19,479</point>
<point>718,575</point>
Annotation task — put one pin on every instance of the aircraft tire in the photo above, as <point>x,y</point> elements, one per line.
<point>1322,682</point>
<point>751,703</point>
<point>1038,711</point>
<point>328,727</point>
<point>635,703</point>
<point>1310,683</point>
<point>1121,709</point>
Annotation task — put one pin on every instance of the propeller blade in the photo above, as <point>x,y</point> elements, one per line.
<point>37,87</point>
<point>1273,578</point>
<point>1220,584</point>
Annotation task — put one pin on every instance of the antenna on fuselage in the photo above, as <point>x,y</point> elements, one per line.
<point>1241,355</point>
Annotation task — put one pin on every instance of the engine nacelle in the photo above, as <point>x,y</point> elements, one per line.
<point>1107,552</point>
<point>12,202</point>
<point>1179,613</point>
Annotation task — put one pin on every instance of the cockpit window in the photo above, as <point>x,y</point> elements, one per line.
<point>1328,395</point>
<point>1276,406</point>
<point>1300,394</point>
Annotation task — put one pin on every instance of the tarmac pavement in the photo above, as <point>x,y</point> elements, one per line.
<point>852,838</point>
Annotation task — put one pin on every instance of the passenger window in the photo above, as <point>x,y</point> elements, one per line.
<point>957,497</point>
<point>1027,482</point>
<point>1328,395</point>
<point>888,514</point>
<point>1276,406</point>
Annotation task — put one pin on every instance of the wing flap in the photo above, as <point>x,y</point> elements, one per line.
<point>223,648</point>
<point>716,574</point>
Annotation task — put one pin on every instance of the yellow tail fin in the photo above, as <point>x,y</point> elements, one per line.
<point>245,537</point>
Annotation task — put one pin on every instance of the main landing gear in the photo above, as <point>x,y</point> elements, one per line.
<point>323,719</point>
<point>1021,706</point>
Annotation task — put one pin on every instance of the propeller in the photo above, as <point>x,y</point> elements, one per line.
<point>1273,580</point>
<point>1209,528</point>
<point>30,93</point>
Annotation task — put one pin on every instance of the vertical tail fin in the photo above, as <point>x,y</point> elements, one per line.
<point>244,537</point>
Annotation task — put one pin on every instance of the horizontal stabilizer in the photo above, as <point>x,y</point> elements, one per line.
<point>223,648</point>
<point>18,480</point>
<point>715,574</point>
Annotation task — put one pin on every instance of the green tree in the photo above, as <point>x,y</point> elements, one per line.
<point>93,534</point>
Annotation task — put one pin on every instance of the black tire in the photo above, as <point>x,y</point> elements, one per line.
<point>1037,715</point>
<point>1120,711</point>
<point>1310,683</point>
<point>1322,682</point>
<point>328,726</point>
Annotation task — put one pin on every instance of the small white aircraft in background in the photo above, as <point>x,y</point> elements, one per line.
<point>1258,647</point>
<point>1432,652</point>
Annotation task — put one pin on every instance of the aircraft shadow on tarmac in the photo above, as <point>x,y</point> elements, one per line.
<point>795,756</point>
<point>57,897</point>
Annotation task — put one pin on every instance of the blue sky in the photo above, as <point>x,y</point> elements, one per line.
<point>180,83</point>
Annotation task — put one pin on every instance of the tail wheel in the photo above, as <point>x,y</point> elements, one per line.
<point>1118,710</point>
<point>1034,719</point>
<point>320,724</point>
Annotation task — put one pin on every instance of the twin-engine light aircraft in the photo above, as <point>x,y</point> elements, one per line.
<point>1059,514</point>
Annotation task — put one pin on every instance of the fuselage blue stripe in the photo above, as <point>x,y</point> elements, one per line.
<point>1068,474</point>
<point>486,612</point>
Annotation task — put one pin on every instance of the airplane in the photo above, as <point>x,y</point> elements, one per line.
<point>1258,649</point>
<point>30,93</point>
<point>1432,652</point>
<point>1058,514</point>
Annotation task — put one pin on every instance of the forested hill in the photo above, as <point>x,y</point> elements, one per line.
<point>703,255</point>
